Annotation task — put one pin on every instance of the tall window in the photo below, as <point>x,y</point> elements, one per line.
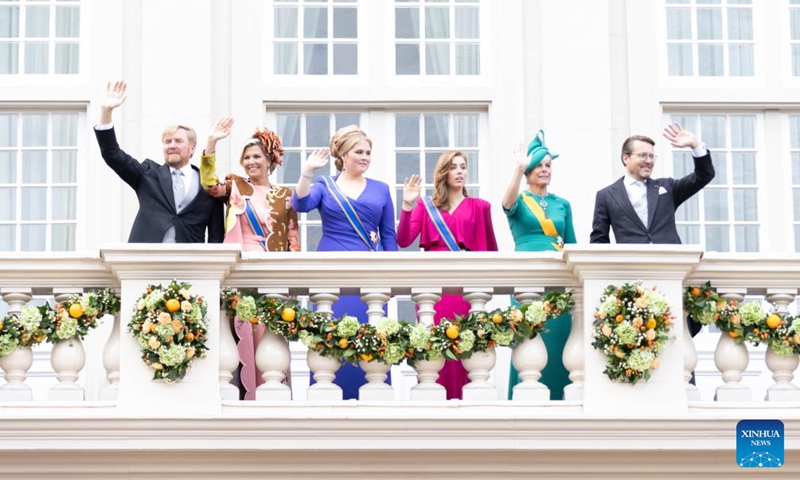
<point>39,36</point>
<point>300,134</point>
<point>315,37</point>
<point>710,38</point>
<point>794,133</point>
<point>38,181</point>
<point>437,37</point>
<point>794,26</point>
<point>724,215</point>
<point>421,138</point>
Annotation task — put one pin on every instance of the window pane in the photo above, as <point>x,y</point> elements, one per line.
<point>717,239</point>
<point>8,167</point>
<point>794,20</point>
<point>406,129</point>
<point>716,205</point>
<point>9,58</point>
<point>720,162</point>
<point>318,131</point>
<point>289,129</point>
<point>68,22</point>
<point>315,61</point>
<point>468,59</point>
<point>796,168</point>
<point>37,22</point>
<point>9,22</point>
<point>285,22</point>
<point>682,164</point>
<point>794,131</point>
<point>67,58</point>
<point>690,234</point>
<point>285,61</point>
<point>33,238</point>
<point>437,59</point>
<point>345,119</point>
<point>745,205</point>
<point>795,198</point>
<point>313,235</point>
<point>680,60</point>
<point>431,157</point>
<point>315,22</point>
<point>689,211</point>
<point>289,172</point>
<point>65,130</point>
<point>7,233</point>
<point>406,22</point>
<point>63,238</point>
<point>65,166</point>
<point>746,238</point>
<point>710,60</point>
<point>34,130</point>
<point>8,203</point>
<point>437,23</point>
<point>741,60</point>
<point>796,237</point>
<point>713,131</point>
<point>466,131</point>
<point>709,24</point>
<point>472,167</point>
<point>33,204</point>
<point>743,131</point>
<point>63,206</point>
<point>345,59</point>
<point>679,24</point>
<point>740,24</point>
<point>345,23</point>
<point>8,130</point>
<point>406,164</point>
<point>407,59</point>
<point>744,168</point>
<point>436,131</point>
<point>795,60</point>
<point>36,57</point>
<point>34,166</point>
<point>467,23</point>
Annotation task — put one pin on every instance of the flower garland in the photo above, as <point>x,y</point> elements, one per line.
<point>169,325</point>
<point>631,328</point>
<point>78,314</point>
<point>22,330</point>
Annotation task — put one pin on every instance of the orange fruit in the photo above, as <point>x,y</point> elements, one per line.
<point>651,323</point>
<point>497,318</point>
<point>733,334</point>
<point>254,320</point>
<point>173,305</point>
<point>367,357</point>
<point>75,310</point>
<point>695,292</point>
<point>343,343</point>
<point>189,337</point>
<point>452,332</point>
<point>288,314</point>
<point>773,321</point>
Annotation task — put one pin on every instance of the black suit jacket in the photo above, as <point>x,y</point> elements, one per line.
<point>613,209</point>
<point>152,183</point>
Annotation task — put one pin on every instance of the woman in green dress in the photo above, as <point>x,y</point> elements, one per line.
<point>541,221</point>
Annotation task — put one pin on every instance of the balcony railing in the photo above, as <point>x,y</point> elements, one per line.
<point>115,386</point>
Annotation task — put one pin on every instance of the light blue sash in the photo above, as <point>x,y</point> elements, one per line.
<point>255,224</point>
<point>352,216</point>
<point>441,226</point>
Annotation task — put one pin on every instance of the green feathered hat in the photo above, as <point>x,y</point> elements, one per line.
<point>537,150</point>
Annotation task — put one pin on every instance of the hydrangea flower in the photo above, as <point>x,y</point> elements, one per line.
<point>625,332</point>
<point>641,360</point>
<point>536,314</point>
<point>30,318</point>
<point>246,308</point>
<point>7,345</point>
<point>393,354</point>
<point>656,302</point>
<point>751,313</point>
<point>347,327</point>
<point>388,326</point>
<point>155,297</point>
<point>420,336</point>
<point>503,338</point>
<point>781,348</point>
<point>467,341</point>
<point>172,355</point>
<point>87,301</point>
<point>67,328</point>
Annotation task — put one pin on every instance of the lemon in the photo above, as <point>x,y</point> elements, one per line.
<point>75,310</point>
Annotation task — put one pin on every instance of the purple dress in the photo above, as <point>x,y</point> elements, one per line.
<point>376,211</point>
<point>471,225</point>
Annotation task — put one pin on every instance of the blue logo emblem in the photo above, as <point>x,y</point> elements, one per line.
<point>759,443</point>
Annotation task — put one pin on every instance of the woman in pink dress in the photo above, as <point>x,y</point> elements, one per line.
<point>260,218</point>
<point>448,221</point>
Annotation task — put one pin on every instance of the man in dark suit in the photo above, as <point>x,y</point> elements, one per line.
<point>640,209</point>
<point>173,208</point>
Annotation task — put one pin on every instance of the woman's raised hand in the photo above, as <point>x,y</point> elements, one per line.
<point>318,159</point>
<point>519,156</point>
<point>222,128</point>
<point>411,189</point>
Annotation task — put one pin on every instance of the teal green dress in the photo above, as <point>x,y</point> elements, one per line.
<point>529,236</point>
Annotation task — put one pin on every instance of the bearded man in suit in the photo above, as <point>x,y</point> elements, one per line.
<point>641,209</point>
<point>173,208</point>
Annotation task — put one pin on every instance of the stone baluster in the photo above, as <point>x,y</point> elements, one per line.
<point>689,361</point>
<point>782,368</point>
<point>731,360</point>
<point>273,357</point>
<point>426,388</point>
<point>111,359</point>
<point>530,357</point>
<point>67,358</point>
<point>324,368</point>
<point>574,357</point>
<point>228,357</point>
<point>376,372</point>
<point>17,363</point>
<point>480,364</point>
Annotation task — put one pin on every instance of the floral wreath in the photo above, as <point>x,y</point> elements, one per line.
<point>22,330</point>
<point>391,341</point>
<point>78,314</point>
<point>169,325</point>
<point>744,322</point>
<point>631,328</point>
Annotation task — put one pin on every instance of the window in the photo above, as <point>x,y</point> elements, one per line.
<point>421,138</point>
<point>40,36</point>
<point>710,38</point>
<point>724,215</point>
<point>301,133</point>
<point>315,37</point>
<point>794,143</point>
<point>38,181</point>
<point>794,27</point>
<point>437,37</point>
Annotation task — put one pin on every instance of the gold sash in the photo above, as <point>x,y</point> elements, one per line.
<point>548,227</point>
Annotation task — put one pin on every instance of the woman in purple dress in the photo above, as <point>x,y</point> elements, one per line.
<point>448,221</point>
<point>357,215</point>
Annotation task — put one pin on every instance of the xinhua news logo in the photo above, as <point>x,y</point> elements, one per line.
<point>759,443</point>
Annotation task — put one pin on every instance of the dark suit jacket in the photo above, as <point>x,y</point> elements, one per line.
<point>153,185</point>
<point>613,209</point>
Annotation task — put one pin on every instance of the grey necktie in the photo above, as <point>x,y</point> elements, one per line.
<point>178,188</point>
